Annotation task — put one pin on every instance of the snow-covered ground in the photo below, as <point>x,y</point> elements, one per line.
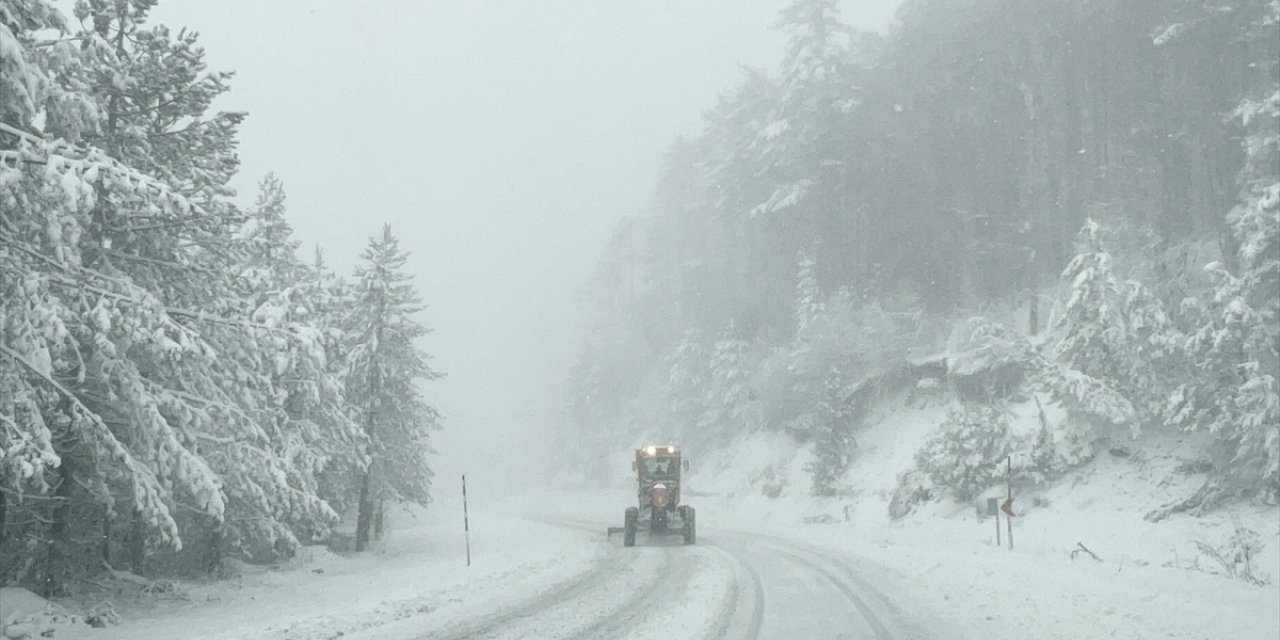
<point>554,575</point>
<point>543,568</point>
<point>418,573</point>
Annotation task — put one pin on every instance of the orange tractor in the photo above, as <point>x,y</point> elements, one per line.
<point>658,488</point>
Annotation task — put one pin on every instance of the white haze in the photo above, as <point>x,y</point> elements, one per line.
<point>503,141</point>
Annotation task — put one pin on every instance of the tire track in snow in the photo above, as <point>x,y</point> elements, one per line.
<point>727,620</point>
<point>511,615</point>
<point>631,613</point>
<point>877,627</point>
<point>887,620</point>
<point>572,608</point>
<point>657,600</point>
<point>881,618</point>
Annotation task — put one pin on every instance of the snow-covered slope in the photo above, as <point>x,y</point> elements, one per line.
<point>1150,579</point>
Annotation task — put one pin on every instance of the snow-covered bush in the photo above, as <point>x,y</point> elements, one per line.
<point>914,487</point>
<point>986,360</point>
<point>1090,404</point>
<point>964,456</point>
<point>1238,554</point>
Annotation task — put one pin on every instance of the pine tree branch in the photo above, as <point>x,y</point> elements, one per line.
<point>104,162</point>
<point>139,476</point>
<point>172,311</point>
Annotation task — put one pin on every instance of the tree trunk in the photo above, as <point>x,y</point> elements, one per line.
<point>364,517</point>
<point>377,522</point>
<point>137,544</point>
<point>213,553</point>
<point>59,535</point>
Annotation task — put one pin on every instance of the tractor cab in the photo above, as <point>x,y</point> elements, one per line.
<point>658,462</point>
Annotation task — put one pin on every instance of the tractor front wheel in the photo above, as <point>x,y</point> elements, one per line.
<point>629,524</point>
<point>690,525</point>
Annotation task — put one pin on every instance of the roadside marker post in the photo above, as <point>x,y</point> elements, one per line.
<point>466,523</point>
<point>993,509</point>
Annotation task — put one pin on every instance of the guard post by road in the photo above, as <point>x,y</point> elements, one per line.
<point>466,524</point>
<point>993,509</point>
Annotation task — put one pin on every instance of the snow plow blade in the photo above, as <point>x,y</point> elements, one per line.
<point>613,530</point>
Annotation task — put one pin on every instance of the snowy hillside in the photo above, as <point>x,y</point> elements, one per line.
<point>1102,505</point>
<point>1181,577</point>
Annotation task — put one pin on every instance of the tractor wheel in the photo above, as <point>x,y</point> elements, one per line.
<point>629,525</point>
<point>690,526</point>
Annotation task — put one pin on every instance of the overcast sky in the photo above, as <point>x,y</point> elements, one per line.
<point>503,141</point>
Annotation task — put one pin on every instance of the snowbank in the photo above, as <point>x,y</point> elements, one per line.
<point>24,615</point>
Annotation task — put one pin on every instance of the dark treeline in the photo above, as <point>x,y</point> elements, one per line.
<point>176,386</point>
<point>841,212</point>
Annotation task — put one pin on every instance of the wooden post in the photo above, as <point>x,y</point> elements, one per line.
<point>993,509</point>
<point>1008,516</point>
<point>466,523</point>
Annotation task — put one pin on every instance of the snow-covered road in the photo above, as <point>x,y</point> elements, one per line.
<point>663,589</point>
<point>539,574</point>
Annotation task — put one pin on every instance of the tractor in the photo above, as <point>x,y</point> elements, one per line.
<point>658,492</point>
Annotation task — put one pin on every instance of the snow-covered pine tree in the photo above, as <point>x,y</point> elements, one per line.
<point>830,425</point>
<point>987,361</point>
<point>295,317</point>
<point>728,394</point>
<point>80,329</point>
<point>1091,332</point>
<point>167,355</point>
<point>810,302</point>
<point>270,252</point>
<point>1157,351</point>
<point>798,145</point>
<point>270,359</point>
<point>1256,225</point>
<point>734,143</point>
<point>328,299</point>
<point>1090,354</point>
<point>1117,334</point>
<point>26,325</point>
<point>153,94</point>
<point>687,380</point>
<point>385,368</point>
<point>1236,353</point>
<point>806,149</point>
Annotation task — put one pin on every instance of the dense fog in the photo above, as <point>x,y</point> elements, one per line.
<point>270,270</point>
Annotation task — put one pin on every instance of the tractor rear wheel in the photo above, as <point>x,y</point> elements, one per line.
<point>629,525</point>
<point>690,525</point>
